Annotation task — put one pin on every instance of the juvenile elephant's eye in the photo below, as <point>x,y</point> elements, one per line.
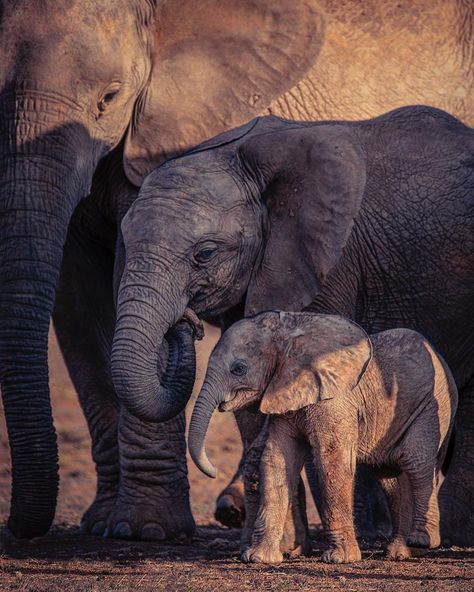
<point>238,368</point>
<point>205,252</point>
<point>107,98</point>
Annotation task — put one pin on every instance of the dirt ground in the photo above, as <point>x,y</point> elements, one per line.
<point>65,561</point>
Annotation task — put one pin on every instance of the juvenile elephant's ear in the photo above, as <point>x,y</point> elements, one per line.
<point>312,180</point>
<point>216,64</point>
<point>329,360</point>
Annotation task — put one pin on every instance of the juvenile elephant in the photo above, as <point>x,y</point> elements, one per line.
<point>387,401</point>
<point>93,95</point>
<point>372,220</point>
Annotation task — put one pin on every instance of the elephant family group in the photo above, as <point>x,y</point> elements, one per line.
<point>95,95</point>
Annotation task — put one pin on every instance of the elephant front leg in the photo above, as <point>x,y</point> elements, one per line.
<point>103,428</point>
<point>334,467</point>
<point>280,468</point>
<point>457,490</point>
<point>153,497</point>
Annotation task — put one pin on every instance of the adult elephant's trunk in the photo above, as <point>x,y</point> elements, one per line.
<point>149,309</point>
<point>207,401</point>
<point>40,183</point>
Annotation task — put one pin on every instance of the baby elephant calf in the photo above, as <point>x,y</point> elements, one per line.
<point>387,401</point>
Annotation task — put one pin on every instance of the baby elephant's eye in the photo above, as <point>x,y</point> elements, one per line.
<point>238,368</point>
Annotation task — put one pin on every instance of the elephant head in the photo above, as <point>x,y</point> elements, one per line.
<point>77,80</point>
<point>259,215</point>
<point>284,361</point>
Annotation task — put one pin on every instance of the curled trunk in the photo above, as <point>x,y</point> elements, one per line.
<point>148,317</point>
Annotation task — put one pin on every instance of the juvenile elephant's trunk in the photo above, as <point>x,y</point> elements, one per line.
<point>207,402</point>
<point>42,177</point>
<point>148,315</point>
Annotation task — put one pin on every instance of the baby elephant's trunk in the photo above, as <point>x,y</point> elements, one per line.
<point>206,403</point>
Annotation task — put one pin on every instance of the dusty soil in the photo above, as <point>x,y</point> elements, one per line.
<point>209,562</point>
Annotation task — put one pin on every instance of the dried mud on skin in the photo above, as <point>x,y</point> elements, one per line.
<point>64,561</point>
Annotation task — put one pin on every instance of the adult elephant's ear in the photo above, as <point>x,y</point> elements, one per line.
<point>216,64</point>
<point>312,180</point>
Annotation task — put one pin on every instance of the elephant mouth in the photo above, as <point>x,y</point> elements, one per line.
<point>242,398</point>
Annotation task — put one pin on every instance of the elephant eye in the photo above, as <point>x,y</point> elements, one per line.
<point>238,368</point>
<point>108,97</point>
<point>205,252</point>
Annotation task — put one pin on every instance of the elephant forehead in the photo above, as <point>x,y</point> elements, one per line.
<point>179,220</point>
<point>204,177</point>
<point>242,340</point>
<point>181,204</point>
<point>64,36</point>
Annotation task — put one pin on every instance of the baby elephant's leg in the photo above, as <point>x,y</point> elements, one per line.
<point>420,465</point>
<point>280,468</point>
<point>335,469</point>
<point>400,502</point>
<point>425,529</point>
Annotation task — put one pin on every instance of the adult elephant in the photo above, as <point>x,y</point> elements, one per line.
<point>373,220</point>
<point>92,96</point>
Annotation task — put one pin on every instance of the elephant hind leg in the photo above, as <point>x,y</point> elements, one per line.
<point>457,490</point>
<point>399,496</point>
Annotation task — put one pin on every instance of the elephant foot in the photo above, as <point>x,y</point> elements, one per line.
<point>398,550</point>
<point>230,506</point>
<point>263,553</point>
<point>424,538</point>
<point>95,518</point>
<point>342,553</point>
<point>150,519</point>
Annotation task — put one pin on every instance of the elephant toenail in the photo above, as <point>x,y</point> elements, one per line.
<point>153,532</point>
<point>123,531</point>
<point>98,528</point>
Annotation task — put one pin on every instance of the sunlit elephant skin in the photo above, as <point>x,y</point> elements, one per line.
<point>93,95</point>
<point>372,220</point>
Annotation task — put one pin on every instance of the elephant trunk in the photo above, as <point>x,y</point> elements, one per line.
<point>207,401</point>
<point>39,188</point>
<point>149,321</point>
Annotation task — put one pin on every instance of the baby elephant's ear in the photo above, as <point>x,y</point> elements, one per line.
<point>290,389</point>
<point>328,362</point>
<point>341,353</point>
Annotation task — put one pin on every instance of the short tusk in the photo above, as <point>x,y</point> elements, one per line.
<point>192,319</point>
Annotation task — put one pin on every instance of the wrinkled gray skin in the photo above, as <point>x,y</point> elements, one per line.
<point>136,80</point>
<point>93,95</point>
<point>372,220</point>
<point>387,401</point>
